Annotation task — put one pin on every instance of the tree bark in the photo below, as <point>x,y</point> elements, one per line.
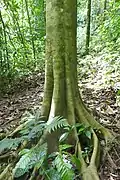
<point>88,26</point>
<point>105,5</point>
<point>61,92</point>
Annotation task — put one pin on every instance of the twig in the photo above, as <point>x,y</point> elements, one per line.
<point>111,161</point>
<point>4,173</point>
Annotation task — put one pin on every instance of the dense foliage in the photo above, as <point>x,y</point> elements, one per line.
<point>105,25</point>
<point>103,58</point>
<point>34,156</point>
<point>22,35</point>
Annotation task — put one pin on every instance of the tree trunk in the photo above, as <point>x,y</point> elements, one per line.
<point>61,92</point>
<point>105,5</point>
<point>88,26</point>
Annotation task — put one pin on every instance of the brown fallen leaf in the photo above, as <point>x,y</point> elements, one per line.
<point>109,110</point>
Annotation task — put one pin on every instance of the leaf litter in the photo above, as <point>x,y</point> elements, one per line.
<point>103,101</point>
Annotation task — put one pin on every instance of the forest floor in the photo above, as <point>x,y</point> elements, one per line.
<point>28,94</point>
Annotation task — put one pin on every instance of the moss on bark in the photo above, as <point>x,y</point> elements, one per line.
<point>61,92</point>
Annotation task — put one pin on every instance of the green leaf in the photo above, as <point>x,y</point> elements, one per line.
<point>63,137</point>
<point>81,130</point>
<point>7,144</point>
<point>76,161</point>
<point>30,159</point>
<point>53,174</point>
<point>65,146</point>
<point>23,151</point>
<point>64,168</point>
<point>88,134</point>
<point>56,123</point>
<point>33,125</point>
<point>118,92</point>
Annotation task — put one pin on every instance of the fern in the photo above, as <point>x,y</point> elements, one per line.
<point>8,144</point>
<point>64,147</point>
<point>32,117</point>
<point>76,161</point>
<point>33,157</point>
<point>64,167</point>
<point>52,174</point>
<point>33,130</point>
<point>36,131</point>
<point>55,123</point>
<point>34,125</point>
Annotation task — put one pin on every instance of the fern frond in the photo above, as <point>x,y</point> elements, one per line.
<point>64,167</point>
<point>33,130</point>
<point>64,147</point>
<point>36,131</point>
<point>76,161</point>
<point>32,116</point>
<point>34,156</point>
<point>27,117</point>
<point>7,144</point>
<point>32,126</point>
<point>52,174</point>
<point>56,123</point>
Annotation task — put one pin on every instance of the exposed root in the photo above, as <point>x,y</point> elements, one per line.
<point>83,164</point>
<point>90,173</point>
<point>85,117</point>
<point>94,159</point>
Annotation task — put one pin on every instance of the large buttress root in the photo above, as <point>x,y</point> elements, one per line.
<point>76,111</point>
<point>84,117</point>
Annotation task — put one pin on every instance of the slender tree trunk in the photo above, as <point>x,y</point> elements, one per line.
<point>21,37</point>
<point>31,33</point>
<point>1,45</point>
<point>6,44</point>
<point>88,26</point>
<point>105,5</point>
<point>61,92</point>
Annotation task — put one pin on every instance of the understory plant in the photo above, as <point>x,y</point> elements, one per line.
<point>33,157</point>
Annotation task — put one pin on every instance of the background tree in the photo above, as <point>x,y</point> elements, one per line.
<point>88,26</point>
<point>23,32</point>
<point>105,5</point>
